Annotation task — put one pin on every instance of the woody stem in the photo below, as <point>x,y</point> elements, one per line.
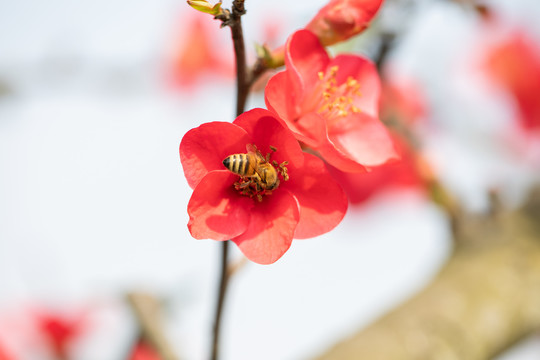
<point>242,90</point>
<point>223,281</point>
<point>242,86</point>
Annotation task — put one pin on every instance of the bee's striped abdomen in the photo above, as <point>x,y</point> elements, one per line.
<point>239,164</point>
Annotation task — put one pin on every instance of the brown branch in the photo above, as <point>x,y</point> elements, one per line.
<point>147,311</point>
<point>234,21</point>
<point>223,282</point>
<point>258,69</point>
<point>484,300</point>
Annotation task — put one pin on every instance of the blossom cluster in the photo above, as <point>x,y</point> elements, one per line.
<point>263,179</point>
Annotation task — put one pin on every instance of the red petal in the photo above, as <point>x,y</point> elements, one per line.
<point>279,101</point>
<point>315,128</point>
<point>266,130</point>
<point>277,96</point>
<point>339,159</point>
<point>365,72</point>
<point>404,173</point>
<point>216,210</point>
<point>271,229</point>
<point>363,139</point>
<point>322,201</point>
<point>203,149</point>
<point>304,58</point>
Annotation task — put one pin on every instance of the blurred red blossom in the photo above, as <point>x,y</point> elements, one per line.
<point>402,100</point>
<point>331,105</point>
<point>60,330</point>
<point>4,354</point>
<point>260,222</point>
<point>405,173</point>
<point>143,351</point>
<point>197,52</point>
<point>514,64</point>
<point>341,19</point>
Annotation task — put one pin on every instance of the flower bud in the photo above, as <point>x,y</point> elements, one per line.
<point>342,19</point>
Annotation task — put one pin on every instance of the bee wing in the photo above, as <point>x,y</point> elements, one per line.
<point>255,160</point>
<point>252,158</point>
<point>251,149</point>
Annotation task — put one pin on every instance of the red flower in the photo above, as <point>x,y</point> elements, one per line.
<point>262,220</point>
<point>342,19</point>
<point>331,105</point>
<point>515,65</point>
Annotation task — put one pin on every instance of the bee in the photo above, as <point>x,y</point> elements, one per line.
<point>255,166</point>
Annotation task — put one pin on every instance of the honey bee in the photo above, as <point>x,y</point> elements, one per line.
<point>255,166</point>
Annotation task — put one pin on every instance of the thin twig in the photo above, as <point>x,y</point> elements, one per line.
<point>242,87</point>
<point>258,69</point>
<point>223,281</point>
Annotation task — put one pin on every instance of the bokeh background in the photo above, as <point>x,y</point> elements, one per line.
<point>95,97</point>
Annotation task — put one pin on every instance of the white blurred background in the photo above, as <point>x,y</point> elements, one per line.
<point>93,199</point>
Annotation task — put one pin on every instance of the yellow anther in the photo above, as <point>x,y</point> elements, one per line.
<point>337,101</point>
<point>351,82</point>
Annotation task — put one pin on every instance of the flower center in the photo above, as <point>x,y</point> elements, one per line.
<point>258,175</point>
<point>337,101</point>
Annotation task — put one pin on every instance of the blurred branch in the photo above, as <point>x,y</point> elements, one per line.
<point>479,6</point>
<point>387,40</point>
<point>484,300</point>
<point>258,69</point>
<point>147,311</point>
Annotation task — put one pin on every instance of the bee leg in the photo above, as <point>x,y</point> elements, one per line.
<point>273,149</point>
<point>243,185</point>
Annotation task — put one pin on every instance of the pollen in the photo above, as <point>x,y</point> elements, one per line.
<point>337,100</point>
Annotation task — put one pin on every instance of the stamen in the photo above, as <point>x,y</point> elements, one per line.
<point>337,101</point>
